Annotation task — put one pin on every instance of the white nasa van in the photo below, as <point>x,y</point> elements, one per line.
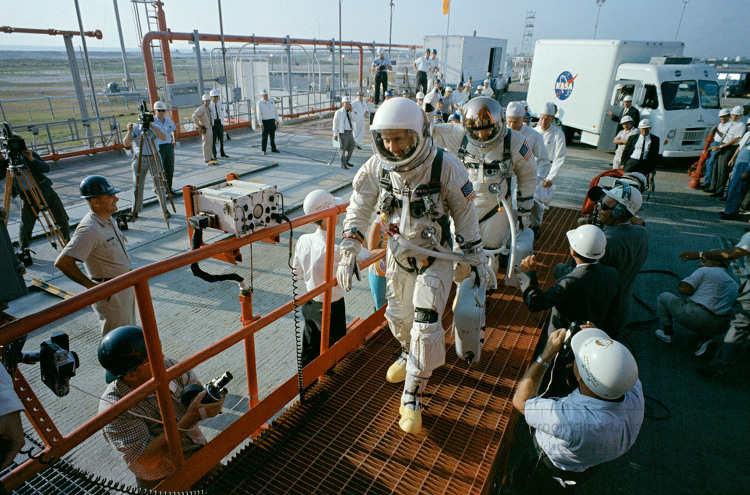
<point>588,78</point>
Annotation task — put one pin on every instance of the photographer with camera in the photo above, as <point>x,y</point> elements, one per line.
<point>595,423</point>
<point>138,434</point>
<point>166,147</point>
<point>38,167</point>
<point>150,133</point>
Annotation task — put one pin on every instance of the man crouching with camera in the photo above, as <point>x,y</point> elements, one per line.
<point>595,423</point>
<point>138,434</point>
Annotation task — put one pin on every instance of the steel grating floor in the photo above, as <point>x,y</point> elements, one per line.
<point>349,440</point>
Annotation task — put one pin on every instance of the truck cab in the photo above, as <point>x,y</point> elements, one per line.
<point>679,99</point>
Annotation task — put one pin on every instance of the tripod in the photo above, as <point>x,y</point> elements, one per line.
<point>20,176</point>
<point>153,162</point>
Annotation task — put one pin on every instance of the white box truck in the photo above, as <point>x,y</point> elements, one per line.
<point>588,78</point>
<point>464,56</point>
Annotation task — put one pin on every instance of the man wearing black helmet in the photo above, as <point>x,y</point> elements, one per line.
<point>100,246</point>
<point>138,434</point>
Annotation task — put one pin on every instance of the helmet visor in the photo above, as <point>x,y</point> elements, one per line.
<point>396,146</point>
<point>482,124</point>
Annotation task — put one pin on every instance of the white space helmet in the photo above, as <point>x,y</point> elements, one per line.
<point>483,114</point>
<point>160,105</point>
<point>319,200</point>
<point>588,241</point>
<point>401,114</point>
<point>606,366</point>
<point>214,92</point>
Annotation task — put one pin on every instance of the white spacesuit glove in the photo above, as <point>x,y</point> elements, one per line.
<point>481,263</point>
<point>348,265</point>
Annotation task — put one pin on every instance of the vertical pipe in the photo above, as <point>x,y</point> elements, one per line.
<point>325,322</point>
<point>289,72</point>
<point>122,48</point>
<point>333,70</point>
<point>341,57</point>
<point>390,31</point>
<point>88,69</point>
<point>76,73</point>
<point>224,57</point>
<point>158,370</point>
<point>247,317</point>
<point>166,57</point>
<point>201,90</point>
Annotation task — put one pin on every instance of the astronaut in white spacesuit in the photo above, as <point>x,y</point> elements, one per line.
<point>494,156</point>
<point>417,186</point>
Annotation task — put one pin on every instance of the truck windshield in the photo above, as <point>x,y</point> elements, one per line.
<point>679,95</point>
<point>709,94</point>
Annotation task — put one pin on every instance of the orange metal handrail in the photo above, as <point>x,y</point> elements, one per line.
<point>260,411</point>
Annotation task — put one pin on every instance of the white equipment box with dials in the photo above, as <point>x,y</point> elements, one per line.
<point>242,207</point>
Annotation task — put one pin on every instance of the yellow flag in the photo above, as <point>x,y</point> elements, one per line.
<point>446,6</point>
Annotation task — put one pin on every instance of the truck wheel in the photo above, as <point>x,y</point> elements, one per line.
<point>569,133</point>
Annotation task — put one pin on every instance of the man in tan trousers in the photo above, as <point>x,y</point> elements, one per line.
<point>202,120</point>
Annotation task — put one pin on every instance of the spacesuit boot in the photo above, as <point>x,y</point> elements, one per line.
<point>397,371</point>
<point>411,404</point>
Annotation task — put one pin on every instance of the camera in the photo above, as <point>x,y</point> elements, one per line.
<point>57,362</point>
<point>146,116</point>
<point>12,145</point>
<point>215,390</point>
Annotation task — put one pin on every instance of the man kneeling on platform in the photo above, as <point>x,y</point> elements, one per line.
<point>596,423</point>
<point>138,434</point>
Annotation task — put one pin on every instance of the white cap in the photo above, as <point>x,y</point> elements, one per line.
<point>264,92</point>
<point>381,51</point>
<point>737,110</point>
<point>626,118</point>
<point>159,105</point>
<point>480,86</point>
<point>606,366</point>
<point>487,81</point>
<point>724,111</point>
<point>346,99</point>
<point>627,98</point>
<point>420,96</point>
<point>214,93</point>
<point>548,109</point>
<point>515,109</point>
<point>205,97</point>
<point>448,89</point>
<point>319,200</point>
<point>644,124</point>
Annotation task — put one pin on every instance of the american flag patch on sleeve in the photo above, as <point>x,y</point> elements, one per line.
<point>468,191</point>
<point>525,151</point>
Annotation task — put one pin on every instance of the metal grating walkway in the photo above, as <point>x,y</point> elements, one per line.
<point>349,440</point>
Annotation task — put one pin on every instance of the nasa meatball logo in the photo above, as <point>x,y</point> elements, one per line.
<point>564,85</point>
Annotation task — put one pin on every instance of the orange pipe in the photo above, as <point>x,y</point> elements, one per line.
<point>246,318</point>
<point>89,151</point>
<point>325,321</point>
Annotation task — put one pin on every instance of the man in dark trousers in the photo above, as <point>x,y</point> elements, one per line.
<point>37,168</point>
<point>641,153</point>
<point>627,109</point>
<point>380,66</point>
<point>217,124</point>
<point>267,117</point>
<point>590,292</point>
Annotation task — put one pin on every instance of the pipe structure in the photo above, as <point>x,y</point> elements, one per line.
<point>52,32</point>
<point>169,36</point>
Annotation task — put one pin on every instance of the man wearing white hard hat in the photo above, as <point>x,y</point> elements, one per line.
<point>380,66</point>
<point>421,190</point>
<point>420,98</point>
<point>309,266</point>
<point>621,139</point>
<point>165,146</point>
<point>217,116</point>
<point>359,113</point>
<point>267,118</point>
<point>597,422</point>
<point>724,152</point>
<point>588,292</point>
<point>514,117</point>
<point>641,152</point>
<point>204,124</point>
<point>343,127</point>
<point>554,141</point>
<point>627,243</point>
<point>627,110</point>
<point>718,131</point>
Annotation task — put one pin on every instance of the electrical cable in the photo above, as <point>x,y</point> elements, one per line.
<point>197,241</point>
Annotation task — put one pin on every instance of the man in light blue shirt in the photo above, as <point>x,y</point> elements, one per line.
<point>165,146</point>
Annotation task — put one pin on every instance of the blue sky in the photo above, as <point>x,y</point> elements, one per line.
<point>709,28</point>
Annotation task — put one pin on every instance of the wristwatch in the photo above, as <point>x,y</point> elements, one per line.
<point>700,255</point>
<point>542,361</point>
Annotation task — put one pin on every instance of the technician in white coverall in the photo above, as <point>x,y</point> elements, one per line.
<point>514,115</point>
<point>481,143</point>
<point>417,186</point>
